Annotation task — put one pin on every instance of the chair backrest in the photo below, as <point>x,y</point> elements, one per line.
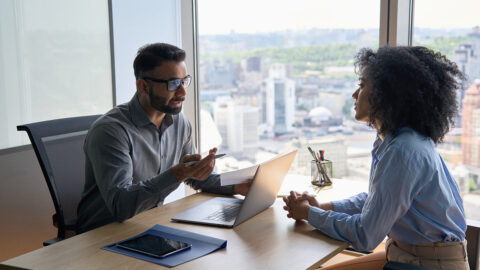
<point>58,145</point>
<point>473,243</point>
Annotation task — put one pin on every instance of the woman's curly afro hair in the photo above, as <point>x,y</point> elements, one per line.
<point>411,86</point>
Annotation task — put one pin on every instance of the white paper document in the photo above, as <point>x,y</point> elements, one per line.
<point>238,176</point>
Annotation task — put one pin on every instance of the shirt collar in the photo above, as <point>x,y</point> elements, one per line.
<point>140,117</point>
<point>379,146</point>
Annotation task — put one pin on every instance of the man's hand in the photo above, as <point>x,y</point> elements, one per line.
<point>297,206</point>
<point>242,188</point>
<point>200,171</point>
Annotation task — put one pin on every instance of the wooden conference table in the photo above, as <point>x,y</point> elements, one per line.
<point>266,241</point>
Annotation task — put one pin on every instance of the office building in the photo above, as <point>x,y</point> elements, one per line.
<point>221,74</point>
<point>471,126</point>
<point>278,101</point>
<point>254,64</point>
<point>467,57</point>
<point>237,125</point>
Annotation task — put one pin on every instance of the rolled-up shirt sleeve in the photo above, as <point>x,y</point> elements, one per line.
<point>108,150</point>
<point>389,198</point>
<point>352,205</point>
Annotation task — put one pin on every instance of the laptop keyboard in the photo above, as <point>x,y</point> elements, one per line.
<point>227,213</point>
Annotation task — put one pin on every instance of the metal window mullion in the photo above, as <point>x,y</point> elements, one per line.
<point>112,52</point>
<point>189,44</point>
<point>189,36</point>
<point>396,22</point>
<point>384,19</point>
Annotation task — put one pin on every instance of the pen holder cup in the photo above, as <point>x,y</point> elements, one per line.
<point>321,172</point>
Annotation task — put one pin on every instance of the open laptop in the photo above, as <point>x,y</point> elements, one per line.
<point>229,212</point>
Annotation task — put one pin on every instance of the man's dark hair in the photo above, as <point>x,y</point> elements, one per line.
<point>411,86</point>
<point>153,55</point>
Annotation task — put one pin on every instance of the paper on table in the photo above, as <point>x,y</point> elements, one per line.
<point>238,176</point>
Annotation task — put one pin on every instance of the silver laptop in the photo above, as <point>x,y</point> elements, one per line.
<point>229,212</point>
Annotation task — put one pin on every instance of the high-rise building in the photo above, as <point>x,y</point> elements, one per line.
<point>471,126</point>
<point>238,127</point>
<point>254,64</point>
<point>278,101</point>
<point>220,74</point>
<point>467,57</point>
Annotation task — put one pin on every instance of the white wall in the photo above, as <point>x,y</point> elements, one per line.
<point>26,208</point>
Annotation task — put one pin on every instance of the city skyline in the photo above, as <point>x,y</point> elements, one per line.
<point>322,80</point>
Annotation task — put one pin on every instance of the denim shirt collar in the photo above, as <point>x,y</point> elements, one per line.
<point>380,146</point>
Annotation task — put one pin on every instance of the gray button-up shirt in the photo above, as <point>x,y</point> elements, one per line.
<point>128,161</point>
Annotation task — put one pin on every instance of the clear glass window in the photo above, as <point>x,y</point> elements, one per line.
<point>456,33</point>
<point>279,75</point>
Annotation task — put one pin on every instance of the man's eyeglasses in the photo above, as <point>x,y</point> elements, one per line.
<point>173,84</point>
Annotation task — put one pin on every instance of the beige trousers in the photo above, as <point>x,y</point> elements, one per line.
<point>440,256</point>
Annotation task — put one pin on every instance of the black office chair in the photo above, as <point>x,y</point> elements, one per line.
<point>473,243</point>
<point>58,145</point>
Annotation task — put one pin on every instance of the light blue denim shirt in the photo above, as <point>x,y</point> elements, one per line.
<point>412,198</point>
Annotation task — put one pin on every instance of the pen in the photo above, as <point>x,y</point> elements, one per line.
<point>312,153</point>
<point>322,158</point>
<point>321,169</point>
<point>191,163</point>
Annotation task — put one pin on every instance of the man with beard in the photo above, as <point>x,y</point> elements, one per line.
<point>136,152</point>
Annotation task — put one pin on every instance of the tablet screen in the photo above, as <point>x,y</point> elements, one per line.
<point>153,245</point>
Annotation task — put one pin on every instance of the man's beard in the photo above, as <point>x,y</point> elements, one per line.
<point>161,104</point>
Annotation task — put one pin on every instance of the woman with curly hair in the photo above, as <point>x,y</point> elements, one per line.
<point>408,94</point>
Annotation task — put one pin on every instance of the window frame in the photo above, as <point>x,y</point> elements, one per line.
<point>189,25</point>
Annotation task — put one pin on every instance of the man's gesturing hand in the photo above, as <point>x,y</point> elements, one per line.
<point>200,171</point>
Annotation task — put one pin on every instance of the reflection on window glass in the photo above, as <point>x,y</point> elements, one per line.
<point>280,77</point>
<point>456,33</point>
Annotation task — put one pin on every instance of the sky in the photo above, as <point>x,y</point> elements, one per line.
<point>251,16</point>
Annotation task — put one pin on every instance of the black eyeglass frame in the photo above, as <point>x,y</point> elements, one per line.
<point>172,84</point>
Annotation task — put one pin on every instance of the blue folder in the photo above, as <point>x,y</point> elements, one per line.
<point>201,245</point>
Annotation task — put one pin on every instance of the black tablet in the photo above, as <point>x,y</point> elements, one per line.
<point>152,245</point>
